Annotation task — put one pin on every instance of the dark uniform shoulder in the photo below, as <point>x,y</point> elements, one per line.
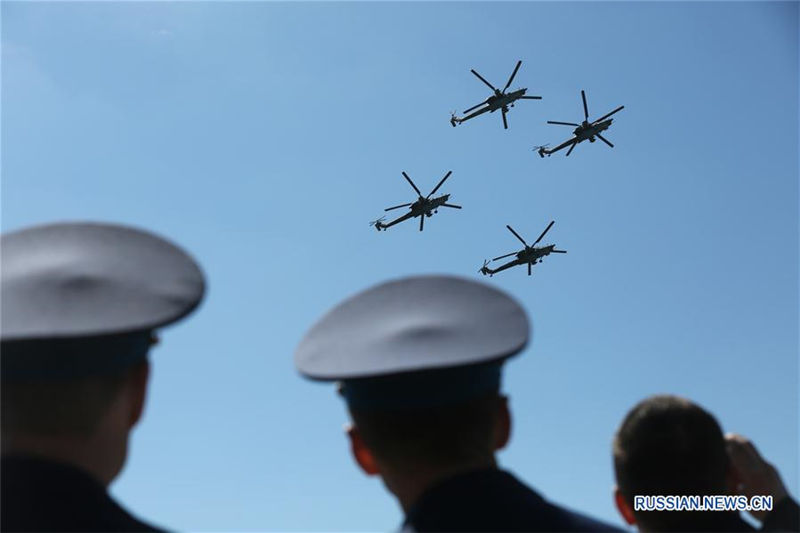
<point>41,495</point>
<point>492,500</point>
<point>567,520</point>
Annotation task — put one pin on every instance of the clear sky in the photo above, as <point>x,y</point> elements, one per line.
<point>264,137</point>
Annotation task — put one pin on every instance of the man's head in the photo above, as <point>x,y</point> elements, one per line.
<point>80,304</point>
<point>668,445</point>
<point>419,364</point>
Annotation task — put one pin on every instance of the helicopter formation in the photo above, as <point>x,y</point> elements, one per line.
<point>426,206</point>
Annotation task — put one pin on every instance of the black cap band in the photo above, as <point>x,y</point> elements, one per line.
<point>428,388</point>
<point>71,358</point>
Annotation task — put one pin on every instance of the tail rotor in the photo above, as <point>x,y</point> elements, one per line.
<point>378,223</point>
<point>541,150</point>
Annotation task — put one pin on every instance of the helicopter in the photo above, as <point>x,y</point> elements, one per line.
<point>584,130</point>
<point>424,206</point>
<point>530,255</point>
<point>499,100</point>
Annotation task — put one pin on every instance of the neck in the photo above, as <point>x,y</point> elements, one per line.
<point>101,456</point>
<point>408,484</point>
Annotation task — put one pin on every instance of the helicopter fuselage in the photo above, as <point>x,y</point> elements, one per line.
<point>427,206</point>
<point>590,130</point>
<point>532,254</point>
<point>500,100</point>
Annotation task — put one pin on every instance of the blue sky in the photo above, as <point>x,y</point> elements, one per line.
<point>264,137</point>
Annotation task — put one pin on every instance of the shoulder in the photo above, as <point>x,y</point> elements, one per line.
<point>40,495</point>
<point>548,516</point>
<point>492,500</point>
<point>563,519</point>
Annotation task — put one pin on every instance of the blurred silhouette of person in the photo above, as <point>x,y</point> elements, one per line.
<point>668,445</point>
<point>418,361</point>
<point>81,303</point>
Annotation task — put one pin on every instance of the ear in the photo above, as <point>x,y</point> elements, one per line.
<point>361,453</point>
<point>502,432</point>
<point>733,479</point>
<point>137,386</point>
<point>623,507</point>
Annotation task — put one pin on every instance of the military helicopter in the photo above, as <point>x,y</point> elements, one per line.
<point>530,254</point>
<point>424,206</point>
<point>499,100</point>
<point>584,130</point>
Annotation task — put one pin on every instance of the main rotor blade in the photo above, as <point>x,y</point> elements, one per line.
<point>411,182</point>
<point>483,80</point>
<point>397,207</point>
<point>512,76</point>
<point>604,140</point>
<point>474,107</point>
<point>572,148</point>
<point>452,205</point>
<point>529,268</point>
<point>440,183</point>
<point>530,97</point>
<point>550,225</point>
<point>609,114</point>
<point>505,122</point>
<point>517,235</point>
<point>421,221</point>
<point>558,251</point>
<point>504,256</point>
<point>585,107</point>
<point>562,123</point>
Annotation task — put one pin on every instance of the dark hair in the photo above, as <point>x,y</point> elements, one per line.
<point>438,436</point>
<point>59,407</point>
<point>668,445</point>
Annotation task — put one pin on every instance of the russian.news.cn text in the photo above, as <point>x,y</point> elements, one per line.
<point>718,502</point>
